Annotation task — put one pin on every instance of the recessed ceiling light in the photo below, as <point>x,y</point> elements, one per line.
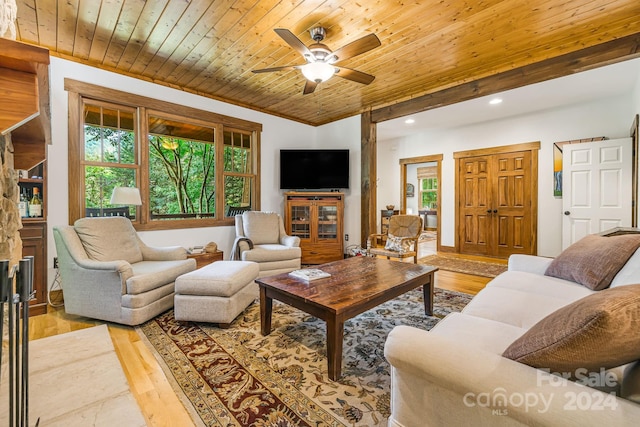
<point>495,101</point>
<point>409,121</point>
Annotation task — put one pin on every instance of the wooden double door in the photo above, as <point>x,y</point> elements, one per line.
<point>497,200</point>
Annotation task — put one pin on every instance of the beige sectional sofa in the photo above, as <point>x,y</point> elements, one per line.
<point>456,373</point>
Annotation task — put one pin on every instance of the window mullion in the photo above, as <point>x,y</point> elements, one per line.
<point>142,153</point>
<point>219,171</point>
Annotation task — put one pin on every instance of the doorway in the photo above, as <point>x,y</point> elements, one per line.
<point>420,179</point>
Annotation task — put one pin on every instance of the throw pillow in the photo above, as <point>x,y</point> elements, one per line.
<point>601,330</point>
<point>396,244</point>
<point>594,260</point>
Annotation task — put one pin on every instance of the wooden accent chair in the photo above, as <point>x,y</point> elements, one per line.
<point>401,240</point>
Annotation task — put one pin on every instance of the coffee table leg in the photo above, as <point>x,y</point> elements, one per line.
<point>427,290</point>
<point>335,335</point>
<point>266,305</point>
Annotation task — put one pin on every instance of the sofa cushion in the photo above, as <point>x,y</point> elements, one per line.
<point>630,388</point>
<point>490,335</point>
<point>109,239</point>
<point>261,227</point>
<point>594,260</point>
<point>630,273</point>
<point>503,298</point>
<point>601,330</point>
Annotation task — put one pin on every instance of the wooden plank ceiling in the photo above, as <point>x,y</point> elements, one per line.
<point>209,47</point>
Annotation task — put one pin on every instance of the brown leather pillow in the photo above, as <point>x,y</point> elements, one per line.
<point>601,330</point>
<point>594,261</point>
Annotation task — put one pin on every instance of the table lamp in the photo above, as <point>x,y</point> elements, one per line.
<point>126,196</point>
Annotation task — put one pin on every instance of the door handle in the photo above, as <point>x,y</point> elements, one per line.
<point>488,211</point>
<point>567,213</point>
<point>495,211</point>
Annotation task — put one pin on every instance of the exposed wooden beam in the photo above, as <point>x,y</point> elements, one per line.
<point>618,50</point>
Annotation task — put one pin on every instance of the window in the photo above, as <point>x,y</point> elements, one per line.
<point>193,168</point>
<point>428,183</point>
<point>238,175</point>
<point>109,156</point>
<point>181,169</point>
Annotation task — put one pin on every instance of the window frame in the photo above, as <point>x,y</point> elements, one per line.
<point>79,91</point>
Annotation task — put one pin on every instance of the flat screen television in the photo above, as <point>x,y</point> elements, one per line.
<point>314,169</point>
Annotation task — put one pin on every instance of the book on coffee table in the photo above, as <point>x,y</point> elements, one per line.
<point>309,274</point>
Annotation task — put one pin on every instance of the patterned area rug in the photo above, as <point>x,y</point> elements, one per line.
<point>478,268</point>
<point>237,377</point>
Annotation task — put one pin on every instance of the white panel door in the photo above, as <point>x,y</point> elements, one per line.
<point>596,188</point>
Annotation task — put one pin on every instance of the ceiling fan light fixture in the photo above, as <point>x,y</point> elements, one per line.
<point>318,71</point>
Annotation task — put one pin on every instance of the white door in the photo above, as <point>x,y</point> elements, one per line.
<point>596,188</point>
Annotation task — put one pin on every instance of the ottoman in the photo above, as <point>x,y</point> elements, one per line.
<point>216,293</point>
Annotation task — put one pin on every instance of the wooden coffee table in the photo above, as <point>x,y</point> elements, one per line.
<point>356,285</point>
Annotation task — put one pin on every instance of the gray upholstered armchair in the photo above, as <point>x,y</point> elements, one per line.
<point>108,273</point>
<point>261,238</point>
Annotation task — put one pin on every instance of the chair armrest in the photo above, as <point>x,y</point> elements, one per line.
<point>373,238</point>
<point>529,263</point>
<point>290,241</point>
<point>118,266</point>
<point>431,371</point>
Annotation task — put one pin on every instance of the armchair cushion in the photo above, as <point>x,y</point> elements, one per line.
<point>268,253</point>
<point>148,275</point>
<point>261,227</point>
<point>109,239</point>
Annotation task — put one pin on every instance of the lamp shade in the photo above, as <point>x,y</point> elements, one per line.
<point>126,196</point>
<point>318,71</point>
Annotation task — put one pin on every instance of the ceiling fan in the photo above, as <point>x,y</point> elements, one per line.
<point>321,60</point>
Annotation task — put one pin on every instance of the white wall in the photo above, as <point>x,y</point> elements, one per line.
<point>346,134</point>
<point>277,133</point>
<point>609,117</point>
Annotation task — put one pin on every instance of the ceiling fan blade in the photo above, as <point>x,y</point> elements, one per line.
<point>357,47</point>
<point>293,41</point>
<point>354,75</point>
<point>309,87</point>
<point>268,70</point>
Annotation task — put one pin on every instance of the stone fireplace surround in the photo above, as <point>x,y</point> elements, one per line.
<point>10,222</point>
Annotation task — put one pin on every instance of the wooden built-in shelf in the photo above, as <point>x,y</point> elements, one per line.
<point>24,111</point>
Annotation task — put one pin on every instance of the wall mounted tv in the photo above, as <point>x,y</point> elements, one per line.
<point>314,169</point>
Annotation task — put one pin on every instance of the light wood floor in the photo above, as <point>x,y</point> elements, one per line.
<point>159,404</point>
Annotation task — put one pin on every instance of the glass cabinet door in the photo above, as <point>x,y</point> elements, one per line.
<point>327,222</point>
<point>301,221</point>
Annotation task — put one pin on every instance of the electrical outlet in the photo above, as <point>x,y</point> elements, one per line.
<point>346,237</point>
<point>55,262</point>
